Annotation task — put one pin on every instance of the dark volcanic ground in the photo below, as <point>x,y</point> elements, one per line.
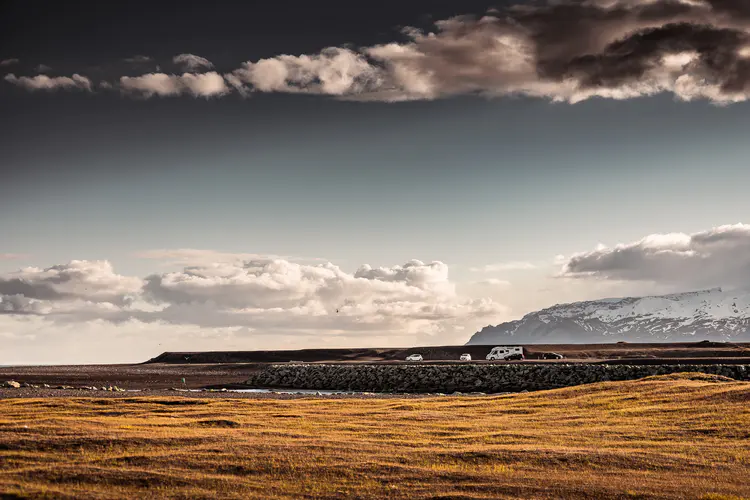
<point>573,352</point>
<point>225,369</point>
<point>140,376</point>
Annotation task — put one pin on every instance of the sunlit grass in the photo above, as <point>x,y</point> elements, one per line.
<point>669,437</point>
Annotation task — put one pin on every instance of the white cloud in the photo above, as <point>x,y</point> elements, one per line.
<point>43,68</point>
<point>12,256</point>
<point>257,299</point>
<point>204,84</point>
<point>193,256</point>
<point>44,82</point>
<point>197,84</point>
<point>494,282</point>
<point>334,71</point>
<point>192,63</point>
<point>717,257</point>
<point>276,283</point>
<point>505,266</point>
<point>461,56</point>
<point>9,62</point>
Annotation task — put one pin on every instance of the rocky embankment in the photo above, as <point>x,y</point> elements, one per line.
<point>487,378</point>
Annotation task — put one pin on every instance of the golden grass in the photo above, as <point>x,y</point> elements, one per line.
<point>664,437</point>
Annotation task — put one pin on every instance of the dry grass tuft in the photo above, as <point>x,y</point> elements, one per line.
<point>662,437</point>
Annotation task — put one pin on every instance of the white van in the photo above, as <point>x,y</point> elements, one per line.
<point>507,353</point>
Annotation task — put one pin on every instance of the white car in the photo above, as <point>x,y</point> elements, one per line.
<point>465,357</point>
<point>414,357</point>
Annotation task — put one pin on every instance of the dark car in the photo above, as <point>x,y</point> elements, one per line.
<point>515,357</point>
<point>551,355</point>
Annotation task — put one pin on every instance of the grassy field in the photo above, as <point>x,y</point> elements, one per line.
<point>664,437</point>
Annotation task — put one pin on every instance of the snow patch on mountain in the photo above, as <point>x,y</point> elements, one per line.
<point>713,313</point>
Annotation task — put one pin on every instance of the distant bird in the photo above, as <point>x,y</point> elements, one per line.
<point>337,311</point>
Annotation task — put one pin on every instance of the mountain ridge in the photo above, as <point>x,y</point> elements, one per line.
<point>712,313</point>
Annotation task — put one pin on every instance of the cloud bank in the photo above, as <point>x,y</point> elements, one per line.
<point>562,50</point>
<point>161,84</point>
<point>262,303</point>
<point>44,82</point>
<point>717,257</point>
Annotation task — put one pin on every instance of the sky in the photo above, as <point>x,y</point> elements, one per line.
<point>193,175</point>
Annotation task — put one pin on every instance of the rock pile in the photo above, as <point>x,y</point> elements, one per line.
<point>487,378</point>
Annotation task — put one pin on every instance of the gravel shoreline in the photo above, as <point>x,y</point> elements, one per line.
<point>31,393</point>
<point>151,376</point>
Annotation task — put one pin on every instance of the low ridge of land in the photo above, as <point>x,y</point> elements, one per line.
<point>677,436</point>
<point>576,352</point>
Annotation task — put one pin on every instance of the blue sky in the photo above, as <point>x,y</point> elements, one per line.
<point>466,180</point>
<point>308,172</point>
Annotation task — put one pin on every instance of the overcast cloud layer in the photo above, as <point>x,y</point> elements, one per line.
<point>564,51</point>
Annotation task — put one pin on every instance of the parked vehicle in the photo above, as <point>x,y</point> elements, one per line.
<point>506,353</point>
<point>465,357</point>
<point>551,355</point>
<point>414,357</point>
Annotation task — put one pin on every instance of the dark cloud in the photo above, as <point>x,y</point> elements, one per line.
<point>717,257</point>
<point>738,9</point>
<point>18,304</point>
<point>629,59</point>
<point>90,281</point>
<point>19,287</point>
<point>564,50</point>
<point>191,62</point>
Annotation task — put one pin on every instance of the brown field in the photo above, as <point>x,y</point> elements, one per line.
<point>682,436</point>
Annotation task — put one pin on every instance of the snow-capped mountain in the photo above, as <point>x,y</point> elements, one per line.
<point>708,314</point>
